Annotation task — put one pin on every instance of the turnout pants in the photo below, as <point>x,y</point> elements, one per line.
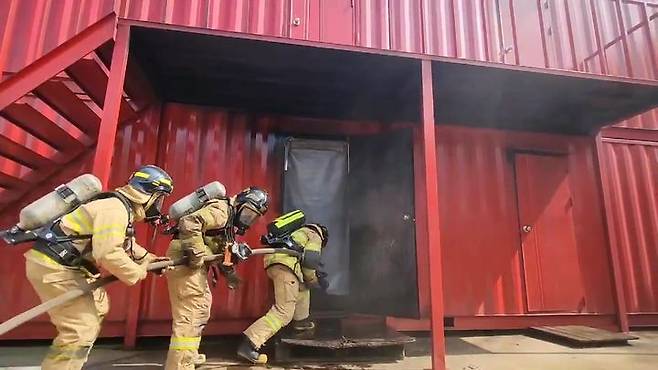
<point>291,302</point>
<point>190,299</point>
<point>78,322</point>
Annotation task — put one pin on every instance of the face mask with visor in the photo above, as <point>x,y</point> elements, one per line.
<point>245,217</point>
<point>153,208</point>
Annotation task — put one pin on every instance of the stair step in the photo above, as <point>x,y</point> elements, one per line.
<point>22,155</point>
<point>32,121</point>
<point>9,182</point>
<point>69,105</point>
<point>91,78</point>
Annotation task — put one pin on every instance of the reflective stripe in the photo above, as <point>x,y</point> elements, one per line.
<point>273,322</point>
<point>107,228</point>
<point>270,323</point>
<point>109,235</point>
<point>286,219</point>
<point>68,352</point>
<point>142,175</point>
<point>44,258</point>
<point>78,221</point>
<point>165,181</point>
<point>110,231</point>
<point>184,343</point>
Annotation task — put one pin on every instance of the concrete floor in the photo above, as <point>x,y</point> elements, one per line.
<point>465,352</point>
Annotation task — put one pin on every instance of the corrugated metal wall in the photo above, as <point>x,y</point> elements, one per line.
<point>202,145</point>
<point>483,273</point>
<point>616,37</point>
<point>631,175</point>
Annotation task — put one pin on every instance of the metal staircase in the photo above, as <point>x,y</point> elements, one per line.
<point>51,110</point>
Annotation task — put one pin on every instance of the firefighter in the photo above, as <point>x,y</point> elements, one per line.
<point>292,296</point>
<point>209,230</point>
<point>97,233</point>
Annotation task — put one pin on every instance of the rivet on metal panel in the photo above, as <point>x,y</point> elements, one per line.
<point>296,21</point>
<point>506,50</point>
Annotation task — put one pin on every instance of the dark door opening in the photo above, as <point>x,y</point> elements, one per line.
<point>363,191</point>
<point>382,228</point>
<point>548,242</point>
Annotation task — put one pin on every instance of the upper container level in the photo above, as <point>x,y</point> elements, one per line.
<point>610,37</point>
<point>607,37</point>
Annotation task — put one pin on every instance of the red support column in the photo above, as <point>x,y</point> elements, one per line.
<point>432,207</point>
<point>108,128</point>
<point>617,278</point>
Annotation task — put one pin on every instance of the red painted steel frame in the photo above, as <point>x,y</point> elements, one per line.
<point>620,299</point>
<point>432,207</point>
<point>41,70</point>
<point>110,120</point>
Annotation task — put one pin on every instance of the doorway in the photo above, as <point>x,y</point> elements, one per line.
<point>362,188</point>
<point>549,249</point>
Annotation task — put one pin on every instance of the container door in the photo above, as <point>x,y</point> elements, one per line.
<point>552,269</point>
<point>315,181</point>
<point>382,232</point>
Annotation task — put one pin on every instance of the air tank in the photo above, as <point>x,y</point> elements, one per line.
<point>195,200</point>
<point>59,201</point>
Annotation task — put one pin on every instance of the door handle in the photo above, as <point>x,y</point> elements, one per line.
<point>407,218</point>
<point>526,228</point>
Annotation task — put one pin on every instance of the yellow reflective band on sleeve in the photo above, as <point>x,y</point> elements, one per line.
<point>78,221</point>
<point>118,235</point>
<point>288,218</point>
<point>117,231</point>
<point>142,175</point>
<point>109,229</point>
<point>184,343</point>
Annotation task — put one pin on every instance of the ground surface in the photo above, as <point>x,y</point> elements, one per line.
<point>465,352</point>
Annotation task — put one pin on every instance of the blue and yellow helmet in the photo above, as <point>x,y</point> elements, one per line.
<point>151,179</point>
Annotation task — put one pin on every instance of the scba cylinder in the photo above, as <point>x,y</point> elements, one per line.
<point>195,200</point>
<point>59,201</point>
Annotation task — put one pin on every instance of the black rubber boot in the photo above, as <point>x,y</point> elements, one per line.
<point>248,351</point>
<point>303,325</point>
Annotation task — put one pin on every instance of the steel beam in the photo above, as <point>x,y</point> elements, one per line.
<point>112,105</point>
<point>629,134</point>
<point>56,61</point>
<point>432,208</point>
<point>88,74</point>
<point>22,155</point>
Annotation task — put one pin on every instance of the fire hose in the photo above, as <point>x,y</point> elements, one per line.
<point>242,252</point>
